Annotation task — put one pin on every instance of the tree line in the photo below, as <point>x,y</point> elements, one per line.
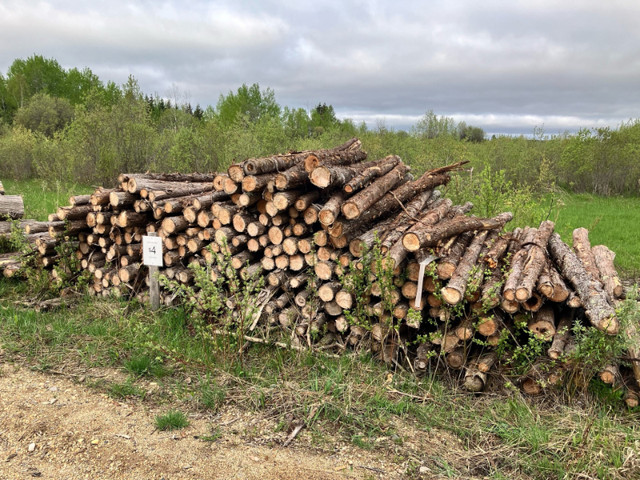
<point>69,125</point>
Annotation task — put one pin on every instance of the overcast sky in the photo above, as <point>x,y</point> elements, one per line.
<point>506,66</point>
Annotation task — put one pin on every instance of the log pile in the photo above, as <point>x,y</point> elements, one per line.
<point>359,255</point>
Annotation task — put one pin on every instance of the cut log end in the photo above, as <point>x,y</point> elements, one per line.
<point>451,296</point>
<point>350,210</point>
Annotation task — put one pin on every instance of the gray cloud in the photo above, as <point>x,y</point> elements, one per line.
<point>505,66</point>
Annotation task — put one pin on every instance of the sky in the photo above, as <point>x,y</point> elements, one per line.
<point>506,66</point>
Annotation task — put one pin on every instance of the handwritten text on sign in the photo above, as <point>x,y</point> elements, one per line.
<point>152,251</point>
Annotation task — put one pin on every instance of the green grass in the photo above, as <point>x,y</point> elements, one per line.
<point>42,197</point>
<point>125,390</point>
<point>172,420</point>
<point>611,221</point>
<point>351,398</point>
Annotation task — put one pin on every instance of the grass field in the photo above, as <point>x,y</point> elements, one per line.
<point>42,198</point>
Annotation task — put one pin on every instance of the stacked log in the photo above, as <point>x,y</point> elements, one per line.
<point>357,255</point>
<point>11,207</point>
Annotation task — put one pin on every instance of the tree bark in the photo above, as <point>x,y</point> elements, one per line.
<point>431,235</point>
<point>276,163</point>
<point>593,298</point>
<point>371,172</point>
<point>604,262</point>
<point>447,265</point>
<point>536,260</point>
<point>11,207</point>
<point>560,338</point>
<point>364,199</point>
<point>455,290</point>
<point>582,247</point>
<point>516,266</point>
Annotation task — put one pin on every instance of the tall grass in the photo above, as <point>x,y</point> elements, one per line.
<point>42,197</point>
<point>612,221</point>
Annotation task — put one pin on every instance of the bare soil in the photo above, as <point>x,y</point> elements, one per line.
<point>55,426</point>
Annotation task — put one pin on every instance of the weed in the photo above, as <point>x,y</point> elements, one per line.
<point>210,395</point>
<point>214,436</point>
<point>144,365</point>
<point>126,390</point>
<point>172,420</point>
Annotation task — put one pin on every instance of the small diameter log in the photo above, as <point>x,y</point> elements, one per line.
<point>75,212</point>
<point>447,265</point>
<point>326,176</point>
<point>431,235</point>
<point>560,338</point>
<point>345,299</point>
<point>582,247</point>
<point>128,273</point>
<point>609,374</point>
<point>631,398</point>
<point>632,333</point>
<point>534,303</point>
<point>491,324</point>
<point>465,329</point>
<point>604,259</point>
<point>327,292</point>
<point>497,251</point>
<point>397,253</point>
<point>490,290</point>
<point>486,361</point>
<point>380,168</point>
<point>517,264</point>
<point>560,290</point>
<point>454,292</point>
<point>331,209</point>
<point>11,207</point>
<point>173,224</point>
<point>542,324</point>
<point>403,222</point>
<point>457,358</point>
<point>363,200</point>
<point>593,298</point>
<point>282,200</point>
<point>323,270</point>
<point>544,285</point>
<point>535,262</point>
<point>474,379</point>
<point>361,244</point>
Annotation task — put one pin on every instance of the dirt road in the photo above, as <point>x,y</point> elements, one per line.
<point>52,427</point>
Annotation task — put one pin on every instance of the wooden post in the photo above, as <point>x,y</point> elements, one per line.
<point>152,258</point>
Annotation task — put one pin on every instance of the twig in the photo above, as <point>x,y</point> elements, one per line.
<point>373,469</point>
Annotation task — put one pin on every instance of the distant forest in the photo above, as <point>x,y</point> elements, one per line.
<point>69,125</point>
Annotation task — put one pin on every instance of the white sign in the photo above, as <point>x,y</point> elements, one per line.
<point>152,251</point>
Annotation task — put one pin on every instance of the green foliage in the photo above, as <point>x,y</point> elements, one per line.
<point>45,114</point>
<point>492,193</point>
<point>172,420</point>
<point>144,365</point>
<point>247,105</point>
<point>210,395</point>
<point>223,306</point>
<point>125,390</point>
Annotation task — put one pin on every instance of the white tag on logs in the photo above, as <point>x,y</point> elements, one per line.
<point>152,251</point>
<point>423,265</point>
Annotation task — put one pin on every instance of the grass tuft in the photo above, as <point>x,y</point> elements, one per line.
<point>172,420</point>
